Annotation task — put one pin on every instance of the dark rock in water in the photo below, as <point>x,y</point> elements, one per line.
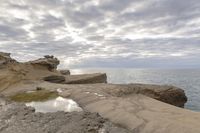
<point>54,79</point>
<point>48,61</point>
<point>65,72</point>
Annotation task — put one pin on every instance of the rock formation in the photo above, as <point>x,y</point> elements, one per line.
<point>17,118</point>
<point>65,72</point>
<point>54,79</point>
<point>48,61</point>
<point>5,59</point>
<point>138,108</point>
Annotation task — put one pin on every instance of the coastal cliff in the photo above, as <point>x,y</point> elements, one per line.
<point>138,108</point>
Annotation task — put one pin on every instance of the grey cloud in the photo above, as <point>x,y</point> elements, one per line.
<point>129,33</point>
<point>11,32</point>
<point>116,5</point>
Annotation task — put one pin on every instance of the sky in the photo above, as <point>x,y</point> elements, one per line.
<point>103,33</point>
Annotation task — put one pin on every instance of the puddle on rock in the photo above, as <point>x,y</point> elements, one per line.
<point>54,105</point>
<point>46,101</point>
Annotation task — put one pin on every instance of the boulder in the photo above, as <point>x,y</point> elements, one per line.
<point>65,72</point>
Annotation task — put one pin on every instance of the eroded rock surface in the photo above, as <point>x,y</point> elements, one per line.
<point>6,60</point>
<point>77,79</point>
<point>136,112</point>
<point>129,105</point>
<point>86,78</point>
<point>165,93</point>
<point>18,118</point>
<point>48,61</point>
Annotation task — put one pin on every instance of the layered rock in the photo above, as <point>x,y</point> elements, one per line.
<point>133,106</point>
<point>54,79</point>
<point>126,106</point>
<point>77,79</point>
<point>45,69</point>
<point>86,78</point>
<point>5,59</point>
<point>165,93</point>
<point>48,61</point>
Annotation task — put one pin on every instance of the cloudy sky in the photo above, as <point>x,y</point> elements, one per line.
<point>103,33</point>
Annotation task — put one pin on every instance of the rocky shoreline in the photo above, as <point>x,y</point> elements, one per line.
<point>18,118</point>
<point>138,108</point>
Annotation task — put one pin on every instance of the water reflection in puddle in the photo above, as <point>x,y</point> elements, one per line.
<point>54,105</point>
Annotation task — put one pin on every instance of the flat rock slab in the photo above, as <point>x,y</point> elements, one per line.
<point>77,79</point>
<point>139,113</point>
<point>54,79</point>
<point>86,78</point>
<point>126,106</point>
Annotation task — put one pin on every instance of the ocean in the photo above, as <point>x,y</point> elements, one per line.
<point>187,79</point>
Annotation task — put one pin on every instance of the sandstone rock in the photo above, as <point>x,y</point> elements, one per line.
<point>138,113</point>
<point>126,106</point>
<point>77,79</point>
<point>5,58</point>
<point>165,93</point>
<point>49,61</point>
<point>54,79</point>
<point>86,78</point>
<point>65,72</point>
<point>132,106</point>
<point>18,118</point>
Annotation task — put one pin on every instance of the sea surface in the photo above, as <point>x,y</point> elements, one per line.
<point>187,79</point>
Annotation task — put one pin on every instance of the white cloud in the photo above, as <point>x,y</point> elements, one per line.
<point>104,31</point>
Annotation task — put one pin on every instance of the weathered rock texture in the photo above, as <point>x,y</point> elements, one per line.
<point>13,72</point>
<point>121,105</point>
<point>17,118</point>
<point>54,79</point>
<point>77,79</point>
<point>5,59</point>
<point>164,93</point>
<point>86,78</point>
<point>48,61</point>
<point>132,106</point>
